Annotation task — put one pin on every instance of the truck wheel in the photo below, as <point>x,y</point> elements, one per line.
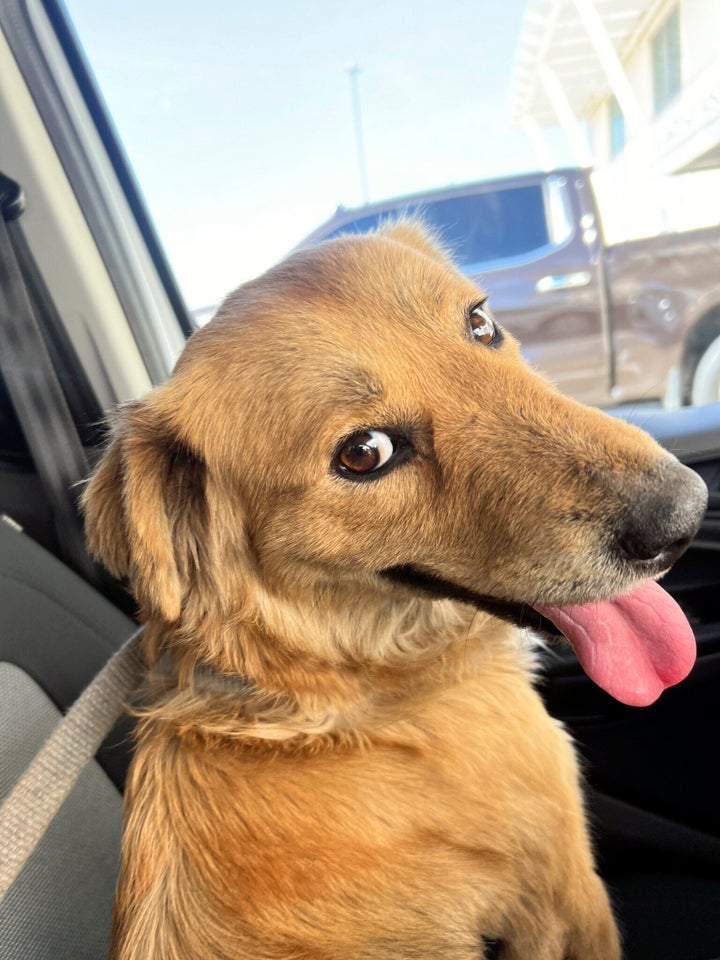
<point>706,376</point>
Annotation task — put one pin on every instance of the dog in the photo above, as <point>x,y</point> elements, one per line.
<point>335,516</point>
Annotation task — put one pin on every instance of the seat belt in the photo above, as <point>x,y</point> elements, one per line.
<point>35,390</point>
<point>30,807</point>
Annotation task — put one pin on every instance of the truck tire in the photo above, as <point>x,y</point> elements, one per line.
<point>700,368</point>
<point>706,376</point>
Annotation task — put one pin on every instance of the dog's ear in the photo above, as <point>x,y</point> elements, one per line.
<point>414,233</point>
<point>145,510</point>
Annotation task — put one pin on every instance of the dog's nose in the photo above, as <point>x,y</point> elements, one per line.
<point>664,516</point>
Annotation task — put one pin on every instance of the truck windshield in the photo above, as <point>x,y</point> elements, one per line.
<point>479,228</point>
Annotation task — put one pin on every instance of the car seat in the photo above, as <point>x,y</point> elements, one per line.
<point>57,633</point>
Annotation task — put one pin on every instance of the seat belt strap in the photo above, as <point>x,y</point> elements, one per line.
<point>34,388</point>
<point>28,810</point>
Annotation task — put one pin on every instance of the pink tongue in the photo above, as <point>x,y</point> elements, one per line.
<point>634,646</point>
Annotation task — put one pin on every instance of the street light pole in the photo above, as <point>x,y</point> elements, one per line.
<point>353,70</point>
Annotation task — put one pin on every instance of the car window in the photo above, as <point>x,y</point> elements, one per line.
<point>243,130</point>
<point>568,156</point>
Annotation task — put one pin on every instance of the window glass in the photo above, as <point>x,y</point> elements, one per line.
<point>479,229</point>
<point>617,127</point>
<point>502,225</point>
<point>249,124</point>
<point>666,61</point>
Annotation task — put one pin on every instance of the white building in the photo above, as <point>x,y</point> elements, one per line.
<point>635,85</point>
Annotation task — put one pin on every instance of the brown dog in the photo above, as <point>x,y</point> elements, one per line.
<point>328,515</point>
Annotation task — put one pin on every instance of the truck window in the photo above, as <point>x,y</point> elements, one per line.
<point>490,227</point>
<point>494,226</point>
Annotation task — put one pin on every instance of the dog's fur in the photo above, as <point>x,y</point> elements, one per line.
<point>332,765</point>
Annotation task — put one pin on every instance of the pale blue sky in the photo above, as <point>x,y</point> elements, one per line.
<point>237,116</point>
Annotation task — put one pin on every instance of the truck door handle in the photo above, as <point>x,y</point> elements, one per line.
<point>563,281</point>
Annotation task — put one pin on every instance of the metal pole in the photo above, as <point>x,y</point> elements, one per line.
<point>354,70</point>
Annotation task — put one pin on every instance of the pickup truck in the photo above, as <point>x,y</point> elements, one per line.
<point>638,320</point>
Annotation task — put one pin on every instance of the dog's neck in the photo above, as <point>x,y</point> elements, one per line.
<point>292,674</point>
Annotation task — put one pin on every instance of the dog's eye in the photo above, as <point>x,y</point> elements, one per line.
<point>365,452</point>
<point>483,327</point>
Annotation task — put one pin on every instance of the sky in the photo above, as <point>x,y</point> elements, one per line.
<point>237,117</point>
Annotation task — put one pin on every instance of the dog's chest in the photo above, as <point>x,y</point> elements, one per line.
<point>440,833</point>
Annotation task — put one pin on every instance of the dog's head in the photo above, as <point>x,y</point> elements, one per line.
<point>354,425</point>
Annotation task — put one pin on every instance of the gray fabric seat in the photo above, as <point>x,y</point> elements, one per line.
<point>53,625</point>
<point>60,905</point>
<point>56,633</point>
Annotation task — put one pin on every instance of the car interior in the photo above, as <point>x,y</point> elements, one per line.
<point>90,316</point>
